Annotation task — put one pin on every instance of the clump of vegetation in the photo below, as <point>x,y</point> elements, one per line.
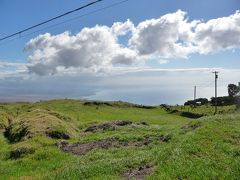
<point>187,114</point>
<point>192,126</point>
<point>38,123</point>
<point>238,102</point>
<point>58,134</point>
<point>4,119</point>
<point>61,116</point>
<point>233,90</point>
<point>117,104</point>
<point>191,115</point>
<point>97,103</point>
<point>16,132</point>
<point>197,102</point>
<point>138,173</point>
<point>165,138</point>
<point>223,101</point>
<point>20,152</point>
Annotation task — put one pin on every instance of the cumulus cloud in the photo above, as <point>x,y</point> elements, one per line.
<point>169,36</point>
<point>98,48</point>
<point>94,48</point>
<point>218,34</point>
<point>174,36</point>
<point>120,28</point>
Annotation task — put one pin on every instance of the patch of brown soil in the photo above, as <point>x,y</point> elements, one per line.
<point>84,148</point>
<point>138,173</point>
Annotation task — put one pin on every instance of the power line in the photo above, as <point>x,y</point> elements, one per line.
<point>49,20</point>
<point>68,20</point>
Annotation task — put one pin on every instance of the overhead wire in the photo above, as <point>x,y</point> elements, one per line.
<point>66,21</point>
<point>49,20</point>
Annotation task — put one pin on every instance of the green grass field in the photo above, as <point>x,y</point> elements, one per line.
<point>204,148</point>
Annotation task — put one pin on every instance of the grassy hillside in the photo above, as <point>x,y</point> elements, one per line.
<point>206,109</point>
<point>68,139</point>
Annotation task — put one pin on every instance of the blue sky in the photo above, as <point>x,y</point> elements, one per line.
<point>17,15</point>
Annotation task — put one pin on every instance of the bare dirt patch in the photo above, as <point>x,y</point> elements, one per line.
<point>138,173</point>
<point>84,148</point>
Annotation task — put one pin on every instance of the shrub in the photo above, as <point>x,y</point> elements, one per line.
<point>223,101</point>
<point>199,101</point>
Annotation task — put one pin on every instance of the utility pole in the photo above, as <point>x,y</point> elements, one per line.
<point>216,78</point>
<point>195,92</point>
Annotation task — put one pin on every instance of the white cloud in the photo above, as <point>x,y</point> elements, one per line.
<point>218,34</point>
<point>99,48</point>
<point>12,70</point>
<point>174,36</point>
<point>92,48</point>
<point>121,29</point>
<point>167,37</point>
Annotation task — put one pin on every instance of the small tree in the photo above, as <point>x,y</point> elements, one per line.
<point>233,90</point>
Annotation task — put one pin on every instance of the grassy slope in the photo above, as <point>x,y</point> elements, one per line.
<point>206,109</point>
<point>210,151</point>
